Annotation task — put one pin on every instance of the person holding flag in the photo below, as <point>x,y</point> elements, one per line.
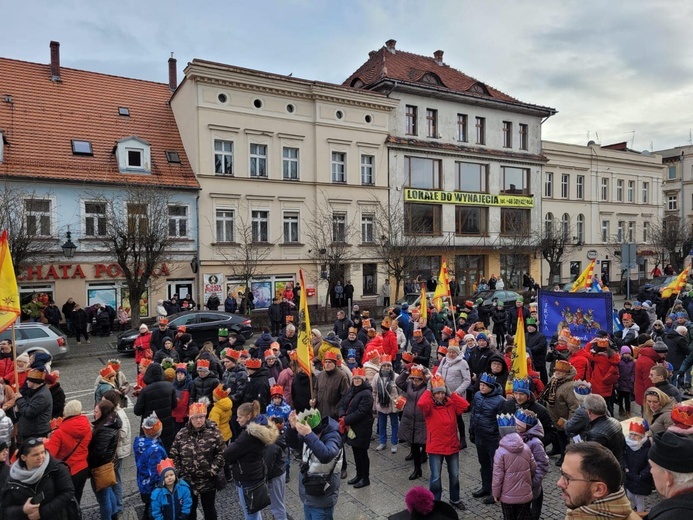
<point>518,367</point>
<point>443,288</point>
<point>10,309</point>
<point>676,285</point>
<point>584,281</point>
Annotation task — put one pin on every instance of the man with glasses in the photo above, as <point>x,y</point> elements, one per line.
<point>590,483</point>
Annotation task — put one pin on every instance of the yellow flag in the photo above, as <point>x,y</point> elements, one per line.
<point>518,368</point>
<point>443,287</point>
<point>677,284</point>
<point>304,349</point>
<point>9,293</point>
<point>584,281</point>
<point>423,304</point>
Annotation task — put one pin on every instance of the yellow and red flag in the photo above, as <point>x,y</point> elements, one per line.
<point>518,367</point>
<point>443,287</point>
<point>584,281</point>
<point>676,284</point>
<point>9,293</point>
<point>423,304</point>
<point>304,349</point>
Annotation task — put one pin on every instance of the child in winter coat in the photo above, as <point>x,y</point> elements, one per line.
<point>148,452</point>
<point>385,393</point>
<point>514,469</point>
<point>276,455</point>
<point>172,499</point>
<point>638,482</point>
<point>221,411</point>
<point>351,362</point>
<point>626,381</point>
<point>182,384</point>
<point>532,433</point>
<point>280,408</point>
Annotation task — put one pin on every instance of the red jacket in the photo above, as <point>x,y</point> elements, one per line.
<point>142,347</point>
<point>375,344</point>
<point>390,343</point>
<point>646,360</point>
<point>441,422</point>
<point>6,366</point>
<point>65,439</point>
<point>582,363</point>
<point>604,371</point>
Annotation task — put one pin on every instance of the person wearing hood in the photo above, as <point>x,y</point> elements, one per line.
<point>536,344</point>
<point>35,405</point>
<point>23,366</point>
<point>258,387</point>
<point>246,455</point>
<point>186,348</point>
<point>158,396</point>
<point>651,311</point>
<point>277,464</point>
<point>455,372</point>
<point>636,468</point>
<point>167,351</point>
<point>605,373</point>
<point>261,344</point>
<point>102,450</point>
<point>498,367</point>
<point>220,414</point>
<point>487,403</point>
<point>70,444</point>
<point>331,343</point>
<point>478,358</point>
<point>148,454</point>
<point>182,385</point>
<point>514,471</point>
<point>626,381</point>
<point>650,355</point>
<point>530,429</point>
<point>355,413</point>
<point>172,498</point>
<point>560,400</point>
<point>205,382</point>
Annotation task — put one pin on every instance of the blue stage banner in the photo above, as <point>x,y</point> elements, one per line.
<point>583,312</point>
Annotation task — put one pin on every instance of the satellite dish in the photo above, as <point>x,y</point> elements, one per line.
<point>590,143</point>
<point>646,152</point>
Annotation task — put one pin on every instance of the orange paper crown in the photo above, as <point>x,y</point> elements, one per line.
<point>289,319</point>
<point>107,372</point>
<point>437,384</point>
<point>453,343</point>
<point>366,323</point>
<point>562,366</point>
<point>565,333</point>
<point>202,363</point>
<point>418,333</point>
<point>574,341</point>
<point>165,464</point>
<point>197,409</point>
<point>359,372</point>
<point>385,358</point>
<point>220,392</point>
<point>416,371</point>
<point>293,355</point>
<point>637,427</point>
<point>146,362</point>
<point>253,363</point>
<point>277,390</point>
<point>407,357</point>
<point>442,350</point>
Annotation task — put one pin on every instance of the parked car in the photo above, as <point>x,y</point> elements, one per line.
<point>413,299</point>
<point>491,297</point>
<point>33,336</point>
<point>653,287</point>
<point>201,325</point>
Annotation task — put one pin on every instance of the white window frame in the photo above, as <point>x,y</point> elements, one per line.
<point>672,202</point>
<point>225,220</point>
<point>645,231</point>
<point>580,228</point>
<point>631,231</point>
<point>620,230</point>
<point>86,215</point>
<point>140,151</point>
<point>290,163</point>
<point>367,228</point>
<point>524,136</point>
<point>580,187</point>
<point>40,214</point>
<point>645,192</point>
<point>259,220</point>
<point>630,191</point>
<point>177,220</point>
<point>548,184</point>
<point>222,154</point>
<point>606,225</point>
<point>565,185</point>
<point>258,160</point>
<point>291,227</point>
<point>338,167</point>
<point>619,190</point>
<point>604,191</point>
<point>367,169</point>
<point>339,218</point>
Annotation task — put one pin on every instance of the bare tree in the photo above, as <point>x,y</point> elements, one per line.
<point>517,242</point>
<point>554,244</point>
<point>672,239</point>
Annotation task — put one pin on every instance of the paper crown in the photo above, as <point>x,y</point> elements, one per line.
<point>277,390</point>
<point>372,354</point>
<point>526,417</point>
<point>626,316</point>
<point>565,333</point>
<point>351,353</point>
<point>602,342</point>
<point>530,321</point>
<point>197,409</point>
<point>437,384</point>
<point>115,363</point>
<point>353,330</point>
<point>244,354</point>
<point>505,419</point>
<point>146,362</point>
<point>107,371</point>
<point>275,346</point>
<point>488,379</point>
<point>293,355</point>
<point>386,323</point>
<point>385,358</point>
<point>37,374</point>
<point>418,333</point>
<point>522,385</point>
<point>233,354</point>
<point>416,371</point>
<point>454,342</point>
<point>181,367</point>
<point>202,364</point>
<point>574,341</point>
<point>152,425</point>
<point>640,427</point>
<point>220,392</point>
<point>442,350</point>
<point>329,355</point>
<point>582,387</point>
<point>460,333</point>
<point>682,415</point>
<point>359,372</point>
<point>407,357</point>
<point>310,417</point>
<point>269,353</point>
<point>164,465</point>
<point>562,366</point>
<point>253,363</point>
<point>463,315</point>
<point>163,321</point>
<point>469,303</point>
<point>223,333</point>
<point>447,330</point>
<point>181,328</point>
<point>289,319</point>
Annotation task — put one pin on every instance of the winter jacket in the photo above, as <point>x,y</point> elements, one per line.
<point>236,380</point>
<point>674,508</point>
<point>263,343</point>
<point>502,376</point>
<point>678,349</point>
<point>661,421</point>
<point>390,346</point>
<point>565,403</point>
<point>626,375</point>
<point>330,388</point>
<point>548,428</point>
<point>6,365</point>
<point>483,424</point>
<point>35,410</point>
<point>156,341</point>
<point>124,435</point>
<point>514,469</point>
<point>215,366</point>
<point>175,505</point>
<point>199,455</point>
<point>101,388</point>
<point>412,426</point>
<point>246,455</point>
<point>221,415</point>
<point>357,345</point>
<point>512,319</point>
<point>341,328</point>
<point>257,389</point>
<point>300,391</point>
<point>148,453</point>
<point>142,346</point>
<point>582,363</point>
<point>390,388</point>
<point>163,353</point>
<point>646,360</point>
<point>71,438</point>
<point>478,362</point>
<point>6,428</point>
<point>182,388</point>
<point>322,455</point>
<point>103,444</point>
<point>578,423</point>
<point>637,469</point>
<point>158,396</point>
<point>275,457</point>
<point>202,387</point>
<point>422,352</point>
<point>604,373</point>
<point>56,486</point>
<point>499,317</point>
<point>283,411</point>
<point>536,344</point>
<point>441,422</point>
<point>607,431</point>
<point>187,352</point>
<point>356,408</point>
<point>669,389</point>
<point>456,374</point>
<point>286,379</point>
<point>533,438</point>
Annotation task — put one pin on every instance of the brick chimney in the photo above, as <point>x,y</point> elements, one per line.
<point>438,55</point>
<point>172,73</point>
<point>55,61</point>
<point>390,44</point>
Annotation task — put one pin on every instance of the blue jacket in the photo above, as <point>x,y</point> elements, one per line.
<point>148,453</point>
<point>172,506</point>
<point>319,453</point>
<point>283,411</point>
<point>637,470</point>
<point>262,344</point>
<point>483,425</point>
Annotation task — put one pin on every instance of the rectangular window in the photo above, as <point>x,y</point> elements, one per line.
<point>82,147</point>
<point>432,122</point>
<point>95,219</point>
<point>480,130</point>
<point>178,221</point>
<point>645,192</point>
<point>514,221</point>
<point>619,230</point>
<point>515,181</point>
<point>524,137</point>
<point>367,229</point>
<point>631,231</point>
<point>338,167</point>
<point>507,134</point>
<point>290,163</point>
<point>411,116</point>
<point>134,158</point>
<point>422,219</point>
<point>580,187</point>
<point>645,231</point>
<point>38,217</point>
<point>223,157</point>
<point>339,227</point>
<point>258,160</point>
<point>370,282</point>
<point>422,173</point>
<point>619,190</point>
<point>604,195</point>
<point>367,173</point>
<point>672,202</point>
<point>471,177</point>
<point>260,223</point>
<point>471,221</point>
<point>291,228</point>
<point>630,194</point>
<point>672,172</point>
<point>462,127</point>
<point>138,220</point>
<point>580,229</point>
<point>225,226</point>
<point>605,231</point>
<point>565,186</point>
<point>548,184</point>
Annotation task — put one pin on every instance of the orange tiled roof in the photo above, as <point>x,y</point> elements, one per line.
<point>44,116</point>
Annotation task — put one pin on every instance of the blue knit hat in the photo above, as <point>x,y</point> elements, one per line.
<point>481,336</point>
<point>351,353</point>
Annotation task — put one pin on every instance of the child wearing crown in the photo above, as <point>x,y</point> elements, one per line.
<point>638,482</point>
<point>172,499</point>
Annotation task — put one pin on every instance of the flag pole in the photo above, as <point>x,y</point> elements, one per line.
<point>14,359</point>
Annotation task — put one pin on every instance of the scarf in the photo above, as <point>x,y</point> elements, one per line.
<point>635,445</point>
<point>549,394</point>
<point>614,506</point>
<point>384,382</point>
<point>29,476</point>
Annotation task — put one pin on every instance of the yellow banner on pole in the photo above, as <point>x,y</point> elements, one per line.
<point>10,309</point>
<point>304,349</point>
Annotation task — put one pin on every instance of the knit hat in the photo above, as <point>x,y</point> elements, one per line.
<point>152,426</point>
<point>351,353</point>
<point>197,409</point>
<point>672,451</point>
<point>24,358</point>
<point>170,374</point>
<point>625,349</point>
<point>253,363</point>
<point>52,377</point>
<point>202,364</point>
<point>481,336</point>
<point>421,504</point>
<point>506,424</point>
<point>37,375</point>
<point>72,408</point>
<point>581,389</point>
<point>660,347</point>
<point>220,392</point>
<point>468,337</point>
<point>454,348</point>
<point>522,385</point>
<point>681,314</point>
<point>277,390</point>
<point>107,371</point>
<point>562,366</point>
<point>438,384</point>
<point>164,466</point>
<point>526,418</point>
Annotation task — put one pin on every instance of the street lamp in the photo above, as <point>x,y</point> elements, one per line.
<point>69,247</point>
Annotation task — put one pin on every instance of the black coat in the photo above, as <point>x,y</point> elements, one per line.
<point>275,457</point>
<point>422,352</point>
<point>674,508</point>
<point>257,389</point>
<point>162,354</point>
<point>638,477</point>
<point>511,406</point>
<point>478,361</point>
<point>246,455</point>
<point>104,442</point>
<point>300,391</point>
<point>187,352</point>
<point>58,395</point>
<point>499,317</point>
<point>156,341</point>
<point>678,348</point>
<point>483,424</point>
<point>158,396</point>
<point>80,319</point>
<point>35,412</point>
<point>203,387</point>
<point>537,346</point>
<point>357,409</point>
<point>274,312</point>
<point>511,322</point>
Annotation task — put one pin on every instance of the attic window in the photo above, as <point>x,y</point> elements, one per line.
<point>124,111</point>
<point>479,88</point>
<point>357,83</point>
<point>81,147</point>
<point>431,79</point>
<point>134,158</point>
<point>172,156</point>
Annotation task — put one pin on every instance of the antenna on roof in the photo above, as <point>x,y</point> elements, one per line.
<point>597,137</point>
<point>690,136</point>
<point>632,139</point>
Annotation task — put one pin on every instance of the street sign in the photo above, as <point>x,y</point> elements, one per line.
<point>628,256</point>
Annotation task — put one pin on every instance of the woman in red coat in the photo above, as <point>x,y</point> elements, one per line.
<point>142,345</point>
<point>440,409</point>
<point>647,358</point>
<point>605,372</point>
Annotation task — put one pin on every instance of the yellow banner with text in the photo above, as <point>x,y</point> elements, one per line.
<point>467,198</point>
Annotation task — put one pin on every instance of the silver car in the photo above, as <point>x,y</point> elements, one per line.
<point>34,336</point>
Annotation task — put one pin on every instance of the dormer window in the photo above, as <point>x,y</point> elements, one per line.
<point>479,88</point>
<point>134,158</point>
<point>431,79</point>
<point>134,155</point>
<point>81,147</point>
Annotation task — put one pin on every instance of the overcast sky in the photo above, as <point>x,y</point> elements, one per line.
<point>610,68</point>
